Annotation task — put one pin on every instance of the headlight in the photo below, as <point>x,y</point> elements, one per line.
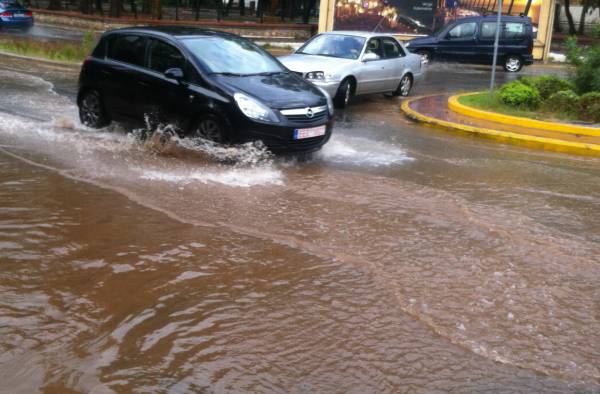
<point>254,109</point>
<point>315,75</point>
<point>329,101</point>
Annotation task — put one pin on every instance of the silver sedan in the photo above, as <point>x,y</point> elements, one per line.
<point>346,63</point>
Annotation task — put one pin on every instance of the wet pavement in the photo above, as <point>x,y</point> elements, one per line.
<point>398,259</point>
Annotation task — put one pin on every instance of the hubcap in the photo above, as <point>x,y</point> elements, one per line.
<point>347,95</point>
<point>513,63</point>
<point>209,129</point>
<point>90,109</point>
<point>405,86</point>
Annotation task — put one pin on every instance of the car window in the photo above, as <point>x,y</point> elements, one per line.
<point>127,48</point>
<point>10,4</point>
<point>164,56</point>
<point>488,30</point>
<point>334,45</point>
<point>514,30</point>
<point>374,46</point>
<point>391,48</point>
<point>462,31</point>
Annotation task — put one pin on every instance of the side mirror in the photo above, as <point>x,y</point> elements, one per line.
<point>174,73</point>
<point>369,57</point>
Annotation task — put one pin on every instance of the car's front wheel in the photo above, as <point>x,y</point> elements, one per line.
<point>404,86</point>
<point>91,110</point>
<point>211,128</point>
<point>344,93</point>
<point>513,63</point>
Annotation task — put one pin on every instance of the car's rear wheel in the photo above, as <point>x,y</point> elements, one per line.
<point>210,127</point>
<point>344,93</point>
<point>426,57</point>
<point>513,63</point>
<point>404,86</point>
<point>91,110</point>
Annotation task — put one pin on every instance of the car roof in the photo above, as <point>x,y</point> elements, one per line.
<point>365,34</point>
<point>493,17</point>
<point>173,31</point>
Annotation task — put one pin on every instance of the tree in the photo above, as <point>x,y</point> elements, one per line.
<point>156,9</point>
<point>54,5</point>
<point>85,6</point>
<point>588,7</point>
<point>308,7</point>
<point>569,17</point>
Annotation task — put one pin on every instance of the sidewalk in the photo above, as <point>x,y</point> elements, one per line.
<point>433,110</point>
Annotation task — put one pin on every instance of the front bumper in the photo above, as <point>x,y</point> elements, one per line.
<point>330,87</point>
<point>16,22</point>
<point>279,138</point>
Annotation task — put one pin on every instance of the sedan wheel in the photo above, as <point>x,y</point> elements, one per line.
<point>344,94</point>
<point>404,86</point>
<point>91,112</point>
<point>513,63</point>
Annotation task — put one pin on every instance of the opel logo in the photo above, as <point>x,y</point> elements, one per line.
<point>309,113</point>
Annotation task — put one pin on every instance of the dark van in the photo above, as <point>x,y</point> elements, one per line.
<point>471,40</point>
<point>209,84</point>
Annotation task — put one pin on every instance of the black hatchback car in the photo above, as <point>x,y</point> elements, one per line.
<point>208,84</point>
<point>471,40</point>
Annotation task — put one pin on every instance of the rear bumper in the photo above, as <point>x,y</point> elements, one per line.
<point>11,22</point>
<point>527,60</point>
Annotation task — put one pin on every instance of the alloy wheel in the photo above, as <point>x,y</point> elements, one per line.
<point>91,111</point>
<point>513,64</point>
<point>210,129</point>
<point>405,85</point>
<point>347,93</point>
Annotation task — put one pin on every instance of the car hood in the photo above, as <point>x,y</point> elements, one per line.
<point>306,63</point>
<point>278,91</point>
<point>423,41</point>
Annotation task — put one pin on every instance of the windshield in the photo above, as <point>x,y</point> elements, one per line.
<point>232,55</point>
<point>334,45</point>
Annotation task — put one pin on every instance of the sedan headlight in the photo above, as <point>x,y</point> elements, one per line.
<point>254,109</point>
<point>315,75</point>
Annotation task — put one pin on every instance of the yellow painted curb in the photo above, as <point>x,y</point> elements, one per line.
<point>552,144</point>
<point>462,109</point>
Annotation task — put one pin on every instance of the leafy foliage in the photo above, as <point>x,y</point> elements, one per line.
<point>587,66</point>
<point>547,85</point>
<point>565,101</point>
<point>518,95</point>
<point>589,106</point>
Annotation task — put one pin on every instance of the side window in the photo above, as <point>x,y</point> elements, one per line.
<point>391,48</point>
<point>488,30</point>
<point>374,46</point>
<point>514,30</point>
<point>462,31</point>
<point>127,49</point>
<point>164,56</point>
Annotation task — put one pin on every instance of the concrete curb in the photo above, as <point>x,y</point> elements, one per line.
<point>551,144</point>
<point>74,66</point>
<point>466,110</point>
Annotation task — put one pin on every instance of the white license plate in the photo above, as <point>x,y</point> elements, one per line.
<point>18,15</point>
<point>300,134</point>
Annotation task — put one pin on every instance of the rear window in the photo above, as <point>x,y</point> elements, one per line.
<point>10,4</point>
<point>128,49</point>
<point>510,30</point>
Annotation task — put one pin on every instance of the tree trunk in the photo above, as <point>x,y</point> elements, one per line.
<point>584,12</point>
<point>115,8</point>
<point>569,17</point>
<point>308,7</point>
<point>54,5</point>
<point>557,28</point>
<point>242,7</point>
<point>155,9</point>
<point>228,8</point>
<point>85,6</point>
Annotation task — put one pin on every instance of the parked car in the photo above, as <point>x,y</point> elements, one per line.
<point>346,64</point>
<point>14,15</point>
<point>210,84</point>
<point>471,40</point>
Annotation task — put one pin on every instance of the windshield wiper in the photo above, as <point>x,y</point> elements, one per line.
<point>267,73</point>
<point>226,74</point>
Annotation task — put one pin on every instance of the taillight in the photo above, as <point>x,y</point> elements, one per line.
<point>6,13</point>
<point>87,60</point>
<point>28,13</point>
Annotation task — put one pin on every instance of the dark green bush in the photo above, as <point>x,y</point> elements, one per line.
<point>566,102</point>
<point>527,80</point>
<point>587,66</point>
<point>547,85</point>
<point>589,107</point>
<point>517,95</point>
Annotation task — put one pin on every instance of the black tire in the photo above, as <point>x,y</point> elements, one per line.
<point>404,86</point>
<point>209,127</point>
<point>513,63</point>
<point>344,93</point>
<point>426,56</point>
<point>91,110</point>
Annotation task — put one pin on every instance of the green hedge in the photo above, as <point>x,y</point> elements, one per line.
<point>589,106</point>
<point>565,101</point>
<point>518,95</point>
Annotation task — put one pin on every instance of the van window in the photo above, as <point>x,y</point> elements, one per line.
<point>164,56</point>
<point>128,49</point>
<point>391,48</point>
<point>462,31</point>
<point>488,30</point>
<point>514,30</point>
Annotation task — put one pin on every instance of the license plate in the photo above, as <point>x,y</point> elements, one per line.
<point>300,134</point>
<point>18,15</point>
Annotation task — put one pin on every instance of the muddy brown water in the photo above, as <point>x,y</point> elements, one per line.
<point>398,259</point>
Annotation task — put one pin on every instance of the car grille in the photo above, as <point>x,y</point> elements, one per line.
<point>299,115</point>
<point>303,119</point>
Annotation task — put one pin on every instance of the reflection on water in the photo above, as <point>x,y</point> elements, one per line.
<point>396,259</point>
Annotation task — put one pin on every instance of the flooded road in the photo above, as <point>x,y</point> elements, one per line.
<point>398,259</point>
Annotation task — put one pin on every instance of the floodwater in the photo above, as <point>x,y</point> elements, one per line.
<point>398,259</point>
